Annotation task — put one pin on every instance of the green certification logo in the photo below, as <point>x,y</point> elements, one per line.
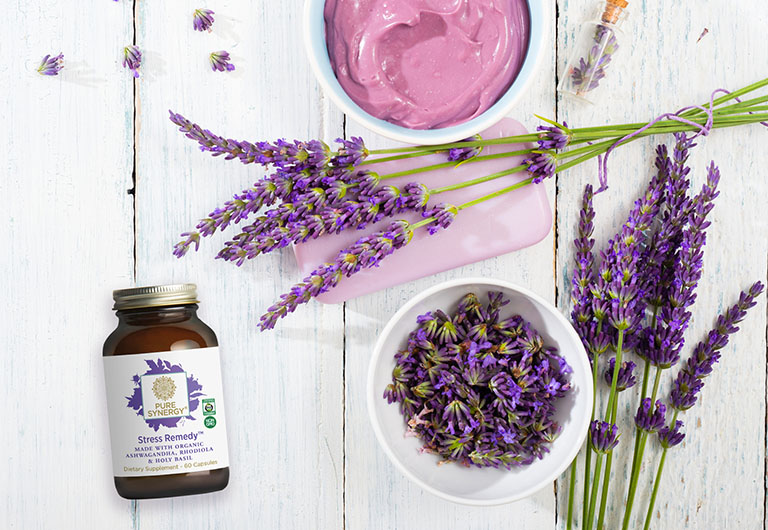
<point>209,407</point>
<point>210,422</point>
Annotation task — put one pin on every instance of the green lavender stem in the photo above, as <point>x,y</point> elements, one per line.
<point>588,133</point>
<point>636,462</point>
<point>610,417</point>
<point>641,437</point>
<point>488,197</point>
<point>657,481</point>
<point>593,494</point>
<point>581,135</point>
<point>588,456</point>
<point>571,491</point>
<point>610,412</point>
<point>442,165</point>
<point>478,180</point>
<point>587,478</point>
<point>604,495</point>
<point>655,491</point>
<point>587,481</point>
<point>586,153</point>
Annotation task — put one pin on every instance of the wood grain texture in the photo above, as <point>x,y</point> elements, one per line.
<point>303,453</point>
<point>378,496</point>
<point>67,241</point>
<point>715,478</point>
<point>284,388</point>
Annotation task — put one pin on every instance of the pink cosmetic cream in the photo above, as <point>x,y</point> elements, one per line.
<point>426,64</point>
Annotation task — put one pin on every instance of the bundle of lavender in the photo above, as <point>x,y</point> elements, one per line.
<point>314,191</point>
<point>638,299</point>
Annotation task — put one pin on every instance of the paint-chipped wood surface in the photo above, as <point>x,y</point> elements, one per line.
<point>95,185</point>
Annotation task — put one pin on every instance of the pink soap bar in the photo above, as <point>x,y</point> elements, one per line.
<point>512,221</point>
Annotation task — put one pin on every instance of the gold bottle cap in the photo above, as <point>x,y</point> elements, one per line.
<point>155,296</point>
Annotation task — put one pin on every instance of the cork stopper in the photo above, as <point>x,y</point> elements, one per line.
<point>613,10</point>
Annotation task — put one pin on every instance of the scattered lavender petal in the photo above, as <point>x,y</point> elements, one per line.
<point>220,61</point>
<point>51,65</point>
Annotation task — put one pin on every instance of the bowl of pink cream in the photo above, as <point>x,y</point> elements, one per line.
<point>425,71</point>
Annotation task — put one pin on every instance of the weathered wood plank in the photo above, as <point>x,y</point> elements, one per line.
<point>283,387</point>
<point>716,478</point>
<point>67,241</point>
<point>378,496</point>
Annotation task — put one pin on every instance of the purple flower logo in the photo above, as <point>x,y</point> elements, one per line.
<point>169,385</point>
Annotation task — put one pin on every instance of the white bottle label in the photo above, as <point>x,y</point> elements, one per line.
<point>166,412</point>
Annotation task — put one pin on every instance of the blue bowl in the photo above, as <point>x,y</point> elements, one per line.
<point>317,52</point>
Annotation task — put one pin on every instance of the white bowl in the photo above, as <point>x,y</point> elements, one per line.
<point>317,52</point>
<point>475,486</point>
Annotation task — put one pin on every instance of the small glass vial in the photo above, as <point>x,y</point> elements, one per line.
<point>594,50</point>
<point>164,396</point>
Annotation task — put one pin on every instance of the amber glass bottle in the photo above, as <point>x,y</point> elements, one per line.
<point>164,396</point>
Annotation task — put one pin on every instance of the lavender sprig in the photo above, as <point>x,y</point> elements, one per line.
<point>460,154</point>
<point>626,377</point>
<point>132,59</point>
<point>554,136</point>
<point>202,20</point>
<point>264,192</point>
<point>617,300</point>
<point>648,418</point>
<point>666,341</point>
<point>305,167</point>
<point>51,65</point>
<point>659,255</point>
<point>304,160</point>
<point>367,252</point>
<point>319,212</point>
<point>583,273</point>
<point>690,378</point>
<point>220,61</point>
<point>444,215</point>
<point>699,365</point>
<point>603,436</point>
<point>671,436</point>
<point>541,165</point>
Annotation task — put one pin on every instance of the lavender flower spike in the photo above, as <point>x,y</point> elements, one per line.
<point>132,59</point>
<point>626,378</point>
<point>51,65</point>
<point>671,437</point>
<point>202,20</point>
<point>689,381</point>
<point>460,154</point>
<point>667,340</point>
<point>220,61</point>
<point>554,136</point>
<point>584,273</point>
<point>263,192</point>
<point>603,436</point>
<point>664,242</point>
<point>649,419</point>
<point>444,215</point>
<point>351,152</point>
<point>366,253</point>
<point>542,165</point>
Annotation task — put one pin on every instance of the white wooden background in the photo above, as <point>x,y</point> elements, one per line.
<point>74,149</point>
